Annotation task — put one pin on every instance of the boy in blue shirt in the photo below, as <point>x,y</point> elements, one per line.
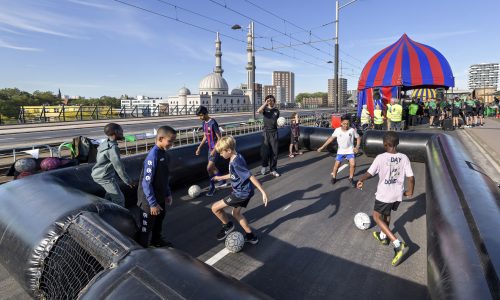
<point>211,134</point>
<point>242,182</point>
<point>153,192</point>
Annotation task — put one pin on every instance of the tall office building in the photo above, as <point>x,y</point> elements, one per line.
<point>342,92</point>
<point>258,92</point>
<point>285,80</point>
<point>483,76</point>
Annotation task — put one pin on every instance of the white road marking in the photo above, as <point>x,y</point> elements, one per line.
<point>342,167</point>
<point>4,139</point>
<point>287,207</point>
<point>212,260</point>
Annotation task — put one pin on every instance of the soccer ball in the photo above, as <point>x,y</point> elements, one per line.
<point>362,221</point>
<point>194,191</point>
<point>235,241</point>
<point>50,163</point>
<point>281,121</point>
<point>25,165</point>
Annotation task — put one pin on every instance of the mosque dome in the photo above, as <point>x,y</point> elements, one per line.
<point>184,91</point>
<point>213,83</point>
<point>237,92</point>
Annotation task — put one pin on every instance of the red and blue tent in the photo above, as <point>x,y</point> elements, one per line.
<point>404,65</point>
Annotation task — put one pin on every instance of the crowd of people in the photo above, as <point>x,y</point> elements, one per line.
<point>400,115</point>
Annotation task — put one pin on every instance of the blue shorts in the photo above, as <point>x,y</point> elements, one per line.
<point>341,157</point>
<point>213,158</point>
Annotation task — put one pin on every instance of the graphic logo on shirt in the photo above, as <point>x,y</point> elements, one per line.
<point>233,177</point>
<point>162,159</point>
<point>148,170</point>
<point>394,170</point>
<point>229,199</point>
<point>150,163</point>
<point>148,178</point>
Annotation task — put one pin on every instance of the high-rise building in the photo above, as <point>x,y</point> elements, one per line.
<point>286,80</point>
<point>258,92</point>
<point>342,92</point>
<point>483,76</point>
<point>268,90</point>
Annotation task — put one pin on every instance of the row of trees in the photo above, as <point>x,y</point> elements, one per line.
<point>11,99</point>
<point>301,96</point>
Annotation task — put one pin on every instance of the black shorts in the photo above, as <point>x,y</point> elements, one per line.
<point>234,201</point>
<point>385,208</point>
<point>433,112</point>
<point>455,112</point>
<point>294,140</point>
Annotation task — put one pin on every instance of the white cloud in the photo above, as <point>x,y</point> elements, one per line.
<point>30,22</point>
<point>4,44</point>
<point>91,4</point>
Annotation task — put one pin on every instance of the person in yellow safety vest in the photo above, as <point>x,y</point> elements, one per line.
<point>388,113</point>
<point>396,116</point>
<point>365,117</point>
<point>378,118</point>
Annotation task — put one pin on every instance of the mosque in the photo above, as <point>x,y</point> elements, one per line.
<point>213,92</point>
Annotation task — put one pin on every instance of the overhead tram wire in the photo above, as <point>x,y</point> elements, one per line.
<point>267,26</point>
<point>303,29</point>
<point>198,14</point>
<point>211,31</point>
<point>178,20</point>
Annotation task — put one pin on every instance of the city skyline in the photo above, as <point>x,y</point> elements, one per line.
<point>95,48</point>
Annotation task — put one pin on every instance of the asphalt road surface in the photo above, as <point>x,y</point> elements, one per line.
<point>309,247</point>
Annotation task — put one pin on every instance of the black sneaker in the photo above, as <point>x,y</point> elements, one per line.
<point>161,243</point>
<point>333,180</point>
<point>211,191</point>
<point>225,230</point>
<point>352,183</point>
<point>251,238</point>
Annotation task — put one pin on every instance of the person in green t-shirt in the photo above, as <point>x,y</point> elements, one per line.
<point>455,112</point>
<point>432,107</point>
<point>412,113</point>
<point>470,105</point>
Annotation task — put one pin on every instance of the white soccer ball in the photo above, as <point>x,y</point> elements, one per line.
<point>194,191</point>
<point>235,241</point>
<point>362,221</point>
<point>281,121</point>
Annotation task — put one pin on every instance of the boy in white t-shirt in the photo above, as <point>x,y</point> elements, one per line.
<point>392,168</point>
<point>345,136</point>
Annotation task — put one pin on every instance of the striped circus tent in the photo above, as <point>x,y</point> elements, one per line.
<point>423,93</point>
<point>406,65</point>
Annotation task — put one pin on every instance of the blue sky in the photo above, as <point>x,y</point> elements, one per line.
<point>102,47</point>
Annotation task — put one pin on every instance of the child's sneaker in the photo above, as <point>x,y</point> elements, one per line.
<point>399,254</point>
<point>251,238</point>
<point>161,243</point>
<point>211,191</point>
<point>376,235</point>
<point>275,173</point>
<point>352,183</point>
<point>333,180</point>
<point>225,230</point>
<point>263,171</point>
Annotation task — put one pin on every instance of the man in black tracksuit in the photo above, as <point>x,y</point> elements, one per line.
<point>269,149</point>
<point>153,192</point>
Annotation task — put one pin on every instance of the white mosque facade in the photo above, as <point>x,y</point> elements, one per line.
<point>213,93</point>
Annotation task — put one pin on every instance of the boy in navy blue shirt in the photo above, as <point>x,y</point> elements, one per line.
<point>242,182</point>
<point>211,134</point>
<point>153,192</point>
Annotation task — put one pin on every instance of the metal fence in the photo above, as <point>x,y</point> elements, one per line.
<point>67,113</point>
<point>138,142</point>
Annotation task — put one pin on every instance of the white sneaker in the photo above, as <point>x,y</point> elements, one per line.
<point>275,173</point>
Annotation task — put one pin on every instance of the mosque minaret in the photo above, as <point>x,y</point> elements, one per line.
<point>213,92</point>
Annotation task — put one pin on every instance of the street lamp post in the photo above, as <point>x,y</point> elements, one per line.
<point>251,64</point>
<point>336,78</point>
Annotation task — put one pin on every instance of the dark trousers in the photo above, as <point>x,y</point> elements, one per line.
<point>413,120</point>
<point>269,150</point>
<point>379,126</point>
<point>150,226</point>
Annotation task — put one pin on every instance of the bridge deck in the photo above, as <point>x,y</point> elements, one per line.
<point>309,246</point>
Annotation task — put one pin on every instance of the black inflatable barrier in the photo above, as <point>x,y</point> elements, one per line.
<point>166,274</point>
<point>38,211</point>
<point>35,212</point>
<point>463,217</point>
